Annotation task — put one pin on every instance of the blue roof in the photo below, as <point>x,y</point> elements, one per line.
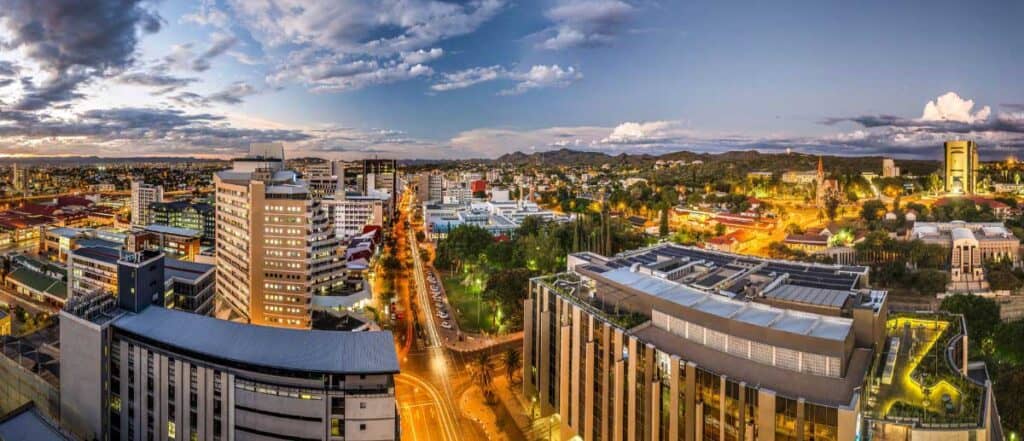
<point>330,352</point>
<point>26,423</point>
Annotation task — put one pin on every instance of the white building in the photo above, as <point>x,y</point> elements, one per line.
<point>142,196</point>
<point>350,214</point>
<point>889,168</point>
<point>276,247</point>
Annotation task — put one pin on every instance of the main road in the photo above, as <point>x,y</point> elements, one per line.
<point>432,378</point>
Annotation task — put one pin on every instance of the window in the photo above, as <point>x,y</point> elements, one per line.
<point>362,427</point>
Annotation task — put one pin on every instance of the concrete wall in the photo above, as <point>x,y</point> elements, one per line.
<point>81,381</point>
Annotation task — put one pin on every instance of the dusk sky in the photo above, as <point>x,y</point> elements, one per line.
<point>435,79</point>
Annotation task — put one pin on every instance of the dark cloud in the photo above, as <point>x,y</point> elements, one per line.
<point>220,44</point>
<point>143,126</point>
<point>1000,123</point>
<point>1015,107</point>
<point>73,41</point>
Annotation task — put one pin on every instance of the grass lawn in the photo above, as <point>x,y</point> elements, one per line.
<point>465,306</point>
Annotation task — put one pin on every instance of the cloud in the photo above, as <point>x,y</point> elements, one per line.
<point>183,57</point>
<point>63,40</point>
<point>163,82</point>
<point>233,94</point>
<point>539,76</point>
<point>950,107</point>
<point>469,77</point>
<point>385,41</point>
<point>422,56</point>
<point>641,133</point>
<point>208,14</point>
<point>585,23</point>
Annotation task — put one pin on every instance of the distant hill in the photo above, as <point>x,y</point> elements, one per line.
<point>751,160</point>
<point>91,160</point>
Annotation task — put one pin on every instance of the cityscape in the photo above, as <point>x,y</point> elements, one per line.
<point>434,220</point>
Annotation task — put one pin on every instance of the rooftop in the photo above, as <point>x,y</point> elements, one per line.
<point>26,423</point>
<point>177,231</point>
<point>328,352</point>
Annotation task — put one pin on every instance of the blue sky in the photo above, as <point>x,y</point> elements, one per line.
<point>478,78</point>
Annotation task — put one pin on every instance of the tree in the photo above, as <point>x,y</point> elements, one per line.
<point>663,226</point>
<point>832,205</point>
<point>420,236</point>
<point>513,362</point>
<point>508,288</point>
<point>872,210</point>
<point>719,229</point>
<point>390,263</point>
<point>982,314</point>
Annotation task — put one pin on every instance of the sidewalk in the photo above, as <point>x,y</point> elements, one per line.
<point>473,344</point>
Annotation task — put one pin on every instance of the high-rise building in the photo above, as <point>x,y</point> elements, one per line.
<point>19,178</point>
<point>889,168</point>
<point>381,175</point>
<point>142,196</point>
<point>184,214</point>
<point>681,343</point>
<point>429,186</point>
<point>130,370</point>
<point>961,166</point>
<point>276,247</point>
<point>350,214</point>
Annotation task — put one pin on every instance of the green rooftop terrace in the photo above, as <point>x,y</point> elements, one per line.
<point>570,287</point>
<point>916,379</point>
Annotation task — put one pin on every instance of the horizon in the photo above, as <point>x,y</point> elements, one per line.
<point>440,80</point>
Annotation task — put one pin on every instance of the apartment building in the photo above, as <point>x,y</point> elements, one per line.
<point>350,214</point>
<point>680,343</point>
<point>130,370</point>
<point>275,247</point>
<point>184,214</point>
<point>142,196</point>
<point>429,186</point>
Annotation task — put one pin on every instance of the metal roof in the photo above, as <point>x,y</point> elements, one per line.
<point>810,295</point>
<point>331,352</point>
<point>26,423</point>
<point>177,231</point>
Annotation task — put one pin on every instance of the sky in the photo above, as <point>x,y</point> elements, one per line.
<point>431,79</point>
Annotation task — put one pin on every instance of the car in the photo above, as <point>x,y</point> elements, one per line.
<point>446,325</point>
<point>442,314</point>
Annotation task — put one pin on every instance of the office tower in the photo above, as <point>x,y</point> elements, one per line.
<point>184,214</point>
<point>681,343</point>
<point>131,371</point>
<point>276,247</point>
<point>381,175</point>
<point>429,186</point>
<point>350,214</point>
<point>961,166</point>
<point>142,196</point>
<point>19,178</point>
<point>889,168</point>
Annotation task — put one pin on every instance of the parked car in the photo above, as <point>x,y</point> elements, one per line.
<point>446,325</point>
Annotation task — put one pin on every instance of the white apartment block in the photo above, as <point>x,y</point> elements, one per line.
<point>142,196</point>
<point>351,213</point>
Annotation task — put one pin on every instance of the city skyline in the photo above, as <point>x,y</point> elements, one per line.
<point>442,80</point>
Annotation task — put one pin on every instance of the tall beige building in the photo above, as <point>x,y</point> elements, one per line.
<point>142,196</point>
<point>961,166</point>
<point>276,246</point>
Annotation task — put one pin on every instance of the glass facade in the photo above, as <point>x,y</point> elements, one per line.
<point>709,392</point>
<point>785,419</point>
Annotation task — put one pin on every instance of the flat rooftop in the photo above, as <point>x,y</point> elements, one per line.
<point>328,352</point>
<point>26,423</point>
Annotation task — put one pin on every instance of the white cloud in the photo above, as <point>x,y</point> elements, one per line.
<point>541,76</point>
<point>585,23</point>
<point>422,56</point>
<point>468,77</point>
<point>950,107</point>
<point>644,132</point>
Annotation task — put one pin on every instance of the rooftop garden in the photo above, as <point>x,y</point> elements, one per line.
<point>920,385</point>
<point>569,286</point>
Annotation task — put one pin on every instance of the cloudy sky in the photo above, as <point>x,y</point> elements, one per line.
<point>478,78</point>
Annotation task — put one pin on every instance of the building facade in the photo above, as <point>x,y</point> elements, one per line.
<point>131,371</point>
<point>429,186</point>
<point>142,196</point>
<point>678,343</point>
<point>184,214</point>
<point>889,168</point>
<point>961,166</point>
<point>350,214</point>
<point>276,246</point>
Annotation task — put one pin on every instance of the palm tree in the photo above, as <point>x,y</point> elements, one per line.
<point>513,362</point>
<point>481,370</point>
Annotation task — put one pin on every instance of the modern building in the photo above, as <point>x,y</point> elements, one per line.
<point>276,246</point>
<point>429,186</point>
<point>350,214</point>
<point>188,286</point>
<point>961,166</point>
<point>889,168</point>
<point>142,196</point>
<point>20,178</point>
<point>381,175</point>
<point>176,242</point>
<point>680,343</point>
<point>131,370</point>
<point>184,214</point>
